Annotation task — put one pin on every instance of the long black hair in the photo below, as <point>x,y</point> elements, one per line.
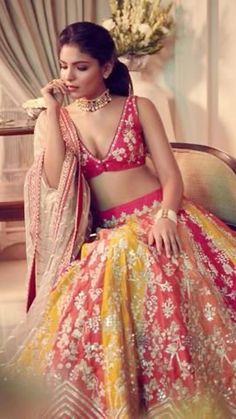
<point>96,41</point>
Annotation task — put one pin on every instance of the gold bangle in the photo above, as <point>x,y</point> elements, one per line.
<point>166,213</point>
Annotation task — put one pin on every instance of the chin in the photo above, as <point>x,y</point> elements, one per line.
<point>74,95</point>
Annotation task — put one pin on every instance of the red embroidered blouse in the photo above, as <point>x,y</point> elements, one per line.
<point>127,148</point>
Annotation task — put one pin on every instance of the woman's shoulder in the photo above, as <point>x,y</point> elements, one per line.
<point>144,102</point>
<point>144,105</point>
<point>139,101</point>
<point>147,110</point>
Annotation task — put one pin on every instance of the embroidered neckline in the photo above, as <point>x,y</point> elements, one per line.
<point>116,134</point>
<point>114,139</point>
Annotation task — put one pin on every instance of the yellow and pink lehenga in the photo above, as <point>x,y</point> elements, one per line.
<point>121,331</point>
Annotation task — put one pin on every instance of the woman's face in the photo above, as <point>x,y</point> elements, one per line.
<point>81,73</point>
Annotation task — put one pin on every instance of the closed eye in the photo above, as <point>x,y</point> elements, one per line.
<point>82,68</point>
<point>78,68</point>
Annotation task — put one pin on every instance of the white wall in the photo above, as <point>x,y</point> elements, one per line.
<point>226,135</point>
<point>202,73</point>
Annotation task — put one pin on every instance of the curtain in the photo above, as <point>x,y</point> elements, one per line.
<point>28,32</point>
<point>28,60</point>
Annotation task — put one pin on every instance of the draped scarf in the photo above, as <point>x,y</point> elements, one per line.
<point>67,230</point>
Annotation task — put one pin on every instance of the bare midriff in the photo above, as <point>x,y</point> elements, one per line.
<point>116,188</point>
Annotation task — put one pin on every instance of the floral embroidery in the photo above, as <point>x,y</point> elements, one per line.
<point>168,308</point>
<point>118,153</point>
<point>209,312</point>
<point>134,320</point>
<point>127,147</point>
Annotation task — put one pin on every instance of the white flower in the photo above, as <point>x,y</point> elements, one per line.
<point>145,29</point>
<point>138,28</point>
<point>164,30</point>
<point>109,24</point>
<point>38,102</point>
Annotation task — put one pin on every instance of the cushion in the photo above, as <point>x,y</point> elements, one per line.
<point>208,181</point>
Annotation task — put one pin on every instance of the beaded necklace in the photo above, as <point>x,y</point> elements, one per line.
<point>92,105</point>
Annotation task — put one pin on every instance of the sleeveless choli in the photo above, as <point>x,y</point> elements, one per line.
<point>126,150</point>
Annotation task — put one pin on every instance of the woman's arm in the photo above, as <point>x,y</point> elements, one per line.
<point>53,94</point>
<point>164,231</point>
<point>161,154</point>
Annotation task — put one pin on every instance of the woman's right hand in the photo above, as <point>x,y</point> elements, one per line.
<point>53,93</point>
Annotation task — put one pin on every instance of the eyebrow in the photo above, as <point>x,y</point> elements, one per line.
<point>75,62</point>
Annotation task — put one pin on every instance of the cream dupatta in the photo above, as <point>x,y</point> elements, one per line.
<point>57,221</point>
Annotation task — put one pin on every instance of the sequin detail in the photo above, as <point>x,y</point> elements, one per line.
<point>131,333</point>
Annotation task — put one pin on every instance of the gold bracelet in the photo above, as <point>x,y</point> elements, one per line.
<point>166,213</point>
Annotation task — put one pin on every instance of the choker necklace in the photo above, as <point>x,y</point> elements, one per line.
<point>92,105</point>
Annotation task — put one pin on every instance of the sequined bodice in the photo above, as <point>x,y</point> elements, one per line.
<point>126,150</point>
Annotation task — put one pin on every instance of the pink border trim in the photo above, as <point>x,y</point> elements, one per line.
<point>130,206</point>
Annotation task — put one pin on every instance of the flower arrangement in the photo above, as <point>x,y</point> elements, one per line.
<point>34,103</point>
<point>138,27</point>
<point>33,107</point>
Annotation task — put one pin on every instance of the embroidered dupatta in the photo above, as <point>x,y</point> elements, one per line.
<point>67,222</point>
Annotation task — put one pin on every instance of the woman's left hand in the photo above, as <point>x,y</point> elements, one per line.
<point>165,235</point>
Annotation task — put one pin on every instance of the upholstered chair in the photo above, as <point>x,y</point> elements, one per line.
<point>209,177</point>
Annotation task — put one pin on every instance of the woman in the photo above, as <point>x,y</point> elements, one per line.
<point>138,322</point>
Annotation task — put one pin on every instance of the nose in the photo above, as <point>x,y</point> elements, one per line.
<point>69,74</point>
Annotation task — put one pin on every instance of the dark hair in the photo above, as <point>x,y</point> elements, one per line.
<point>97,42</point>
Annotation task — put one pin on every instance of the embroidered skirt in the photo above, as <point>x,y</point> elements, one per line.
<point>128,333</point>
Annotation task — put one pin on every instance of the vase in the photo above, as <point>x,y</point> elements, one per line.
<point>135,62</point>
